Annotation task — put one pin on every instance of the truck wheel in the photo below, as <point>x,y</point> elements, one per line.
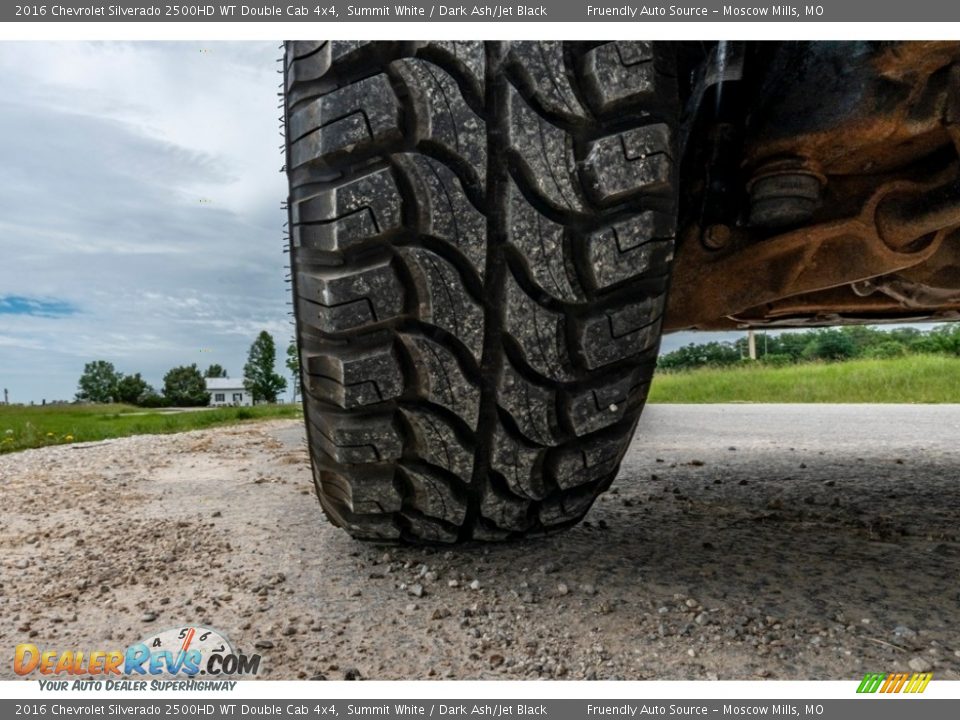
<point>481,236</point>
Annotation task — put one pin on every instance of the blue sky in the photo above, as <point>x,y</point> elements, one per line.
<point>36,307</point>
<point>140,217</point>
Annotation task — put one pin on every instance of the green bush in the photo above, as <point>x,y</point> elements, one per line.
<point>777,360</point>
<point>711,354</point>
<point>152,400</point>
<point>830,345</point>
<point>886,350</point>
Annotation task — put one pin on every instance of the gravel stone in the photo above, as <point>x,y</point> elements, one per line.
<point>903,632</point>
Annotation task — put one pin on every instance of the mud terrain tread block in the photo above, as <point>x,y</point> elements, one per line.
<point>531,406</point>
<point>481,239</point>
<point>467,56</point>
<point>347,298</point>
<point>607,404</point>
<point>443,298</point>
<point>538,67</point>
<point>624,165</point>
<point>350,120</point>
<point>564,508</point>
<point>544,156</point>
<point>444,211</point>
<point>427,529</point>
<point>621,73</point>
<point>348,213</point>
<point>542,248</point>
<point>501,513</point>
<point>593,461</point>
<point>307,60</point>
<point>352,378</point>
<point>299,49</point>
<point>442,380</point>
<point>629,330</point>
<point>378,494</point>
<point>356,438</point>
<point>538,331</point>
<point>434,496</point>
<point>368,511</point>
<point>628,249</point>
<point>435,441</point>
<point>443,118</point>
<point>518,461</point>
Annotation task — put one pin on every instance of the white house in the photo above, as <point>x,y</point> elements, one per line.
<point>228,391</point>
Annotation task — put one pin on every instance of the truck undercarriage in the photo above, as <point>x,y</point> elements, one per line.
<point>820,185</point>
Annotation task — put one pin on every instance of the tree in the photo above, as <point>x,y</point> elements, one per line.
<point>944,339</point>
<point>184,386</point>
<point>216,371</point>
<point>789,343</point>
<point>908,337</point>
<point>886,350</point>
<point>713,354</point>
<point>293,365</point>
<point>830,345</point>
<point>98,383</point>
<point>863,337</point>
<point>131,388</point>
<point>259,375</point>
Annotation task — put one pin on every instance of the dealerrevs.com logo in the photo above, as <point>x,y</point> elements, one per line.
<point>182,651</point>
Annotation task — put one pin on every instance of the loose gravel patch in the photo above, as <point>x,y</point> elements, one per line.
<point>790,542</point>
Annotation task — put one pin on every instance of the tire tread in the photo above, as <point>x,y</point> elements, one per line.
<point>481,236</point>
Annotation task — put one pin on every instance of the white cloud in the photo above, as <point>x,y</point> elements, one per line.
<point>217,99</point>
<point>140,184</point>
<point>12,341</point>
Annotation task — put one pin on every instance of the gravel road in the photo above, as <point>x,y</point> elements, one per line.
<point>740,541</point>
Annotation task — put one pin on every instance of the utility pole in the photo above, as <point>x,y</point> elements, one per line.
<point>751,344</point>
<point>6,397</point>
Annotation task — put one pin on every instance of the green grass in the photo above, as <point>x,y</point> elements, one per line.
<point>910,379</point>
<point>37,426</point>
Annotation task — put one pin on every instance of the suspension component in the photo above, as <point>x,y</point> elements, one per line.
<point>901,226</point>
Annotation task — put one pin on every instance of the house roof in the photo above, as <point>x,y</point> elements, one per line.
<point>224,384</point>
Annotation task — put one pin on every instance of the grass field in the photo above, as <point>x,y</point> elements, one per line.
<point>36,426</point>
<point>910,379</point>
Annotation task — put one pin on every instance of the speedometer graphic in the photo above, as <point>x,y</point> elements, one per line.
<point>186,649</point>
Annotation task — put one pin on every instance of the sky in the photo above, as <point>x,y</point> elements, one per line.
<point>140,219</point>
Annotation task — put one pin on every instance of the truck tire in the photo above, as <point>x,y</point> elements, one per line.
<point>481,236</point>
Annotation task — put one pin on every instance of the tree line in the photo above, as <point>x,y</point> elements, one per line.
<point>185,385</point>
<point>834,344</point>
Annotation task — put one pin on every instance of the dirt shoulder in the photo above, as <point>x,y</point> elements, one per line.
<point>797,543</point>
